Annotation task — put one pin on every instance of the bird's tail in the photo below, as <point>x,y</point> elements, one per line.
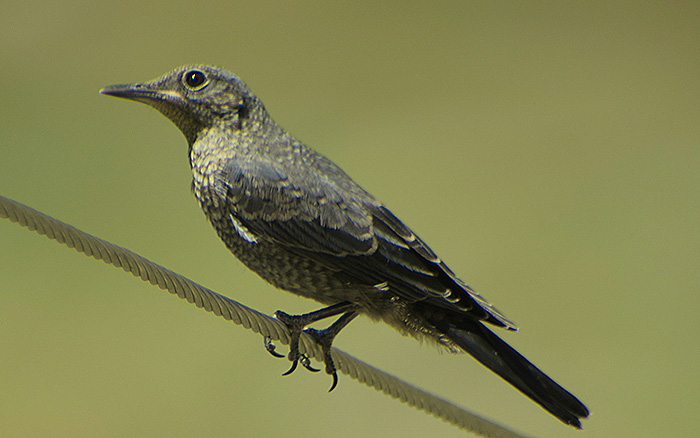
<point>477,340</point>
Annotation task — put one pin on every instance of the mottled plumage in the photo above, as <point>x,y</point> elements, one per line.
<point>301,223</point>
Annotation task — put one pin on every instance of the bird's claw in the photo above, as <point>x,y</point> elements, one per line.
<point>291,370</point>
<point>335,381</point>
<point>270,347</point>
<point>306,363</point>
<point>324,338</point>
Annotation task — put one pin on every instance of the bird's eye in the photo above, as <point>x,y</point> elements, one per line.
<point>195,79</point>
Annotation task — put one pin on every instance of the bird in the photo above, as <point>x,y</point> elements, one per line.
<point>301,223</point>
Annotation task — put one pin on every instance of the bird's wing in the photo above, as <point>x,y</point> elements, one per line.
<point>345,229</point>
<point>306,212</point>
<point>417,266</point>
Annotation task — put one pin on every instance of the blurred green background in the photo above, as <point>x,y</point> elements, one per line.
<point>548,151</point>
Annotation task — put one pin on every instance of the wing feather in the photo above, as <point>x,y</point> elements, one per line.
<point>280,207</point>
<point>343,227</point>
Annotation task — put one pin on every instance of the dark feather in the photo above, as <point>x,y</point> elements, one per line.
<point>477,340</point>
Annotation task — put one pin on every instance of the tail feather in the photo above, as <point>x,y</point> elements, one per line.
<point>477,340</point>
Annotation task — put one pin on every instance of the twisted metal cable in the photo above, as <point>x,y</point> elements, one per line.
<point>239,314</point>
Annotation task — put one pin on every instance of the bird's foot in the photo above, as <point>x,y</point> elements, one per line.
<point>324,338</point>
<point>296,325</point>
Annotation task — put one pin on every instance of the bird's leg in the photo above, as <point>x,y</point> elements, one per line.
<point>296,324</point>
<point>325,339</point>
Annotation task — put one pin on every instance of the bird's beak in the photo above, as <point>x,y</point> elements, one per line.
<point>144,93</point>
<point>128,91</point>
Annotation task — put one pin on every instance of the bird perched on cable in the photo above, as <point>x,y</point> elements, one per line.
<point>302,224</point>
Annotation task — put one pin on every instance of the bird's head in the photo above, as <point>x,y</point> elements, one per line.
<point>194,97</point>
